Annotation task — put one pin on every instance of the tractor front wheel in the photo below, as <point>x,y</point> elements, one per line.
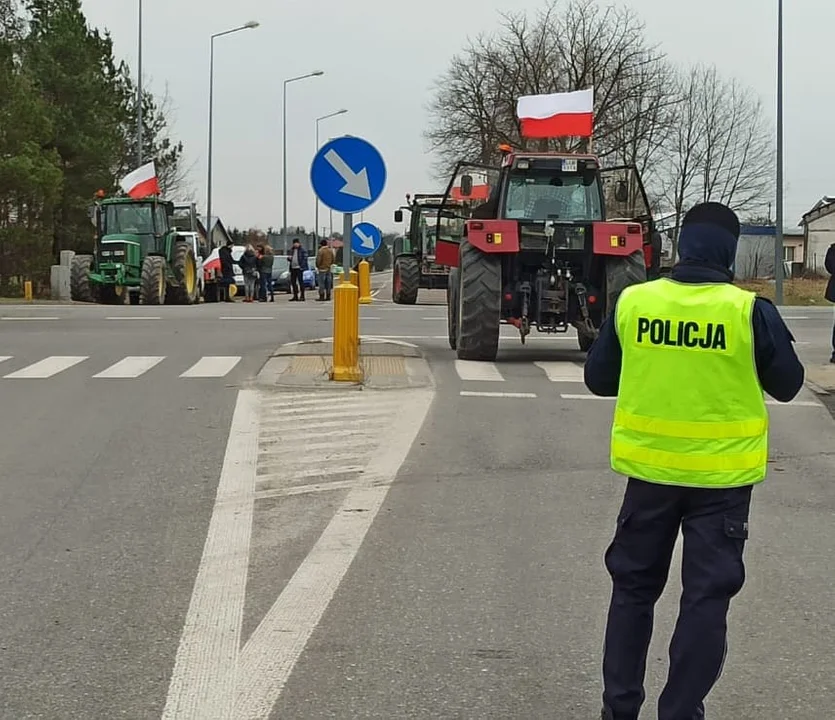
<point>452,294</point>
<point>185,271</point>
<point>621,272</point>
<point>81,290</point>
<point>479,304</point>
<point>406,280</point>
<point>152,283</point>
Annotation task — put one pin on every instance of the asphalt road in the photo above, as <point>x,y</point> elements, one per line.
<point>150,532</point>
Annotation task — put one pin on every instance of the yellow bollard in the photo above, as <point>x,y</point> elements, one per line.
<point>365,283</point>
<point>27,291</point>
<point>346,334</point>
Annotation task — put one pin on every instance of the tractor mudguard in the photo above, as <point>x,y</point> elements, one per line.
<point>446,253</point>
<point>614,238</point>
<point>494,236</point>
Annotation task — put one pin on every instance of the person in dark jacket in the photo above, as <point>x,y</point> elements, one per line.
<point>249,267</point>
<point>674,485</point>
<point>227,270</point>
<point>829,294</point>
<point>298,264</point>
<point>265,273</point>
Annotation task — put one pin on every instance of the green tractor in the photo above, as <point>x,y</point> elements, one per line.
<point>137,256</point>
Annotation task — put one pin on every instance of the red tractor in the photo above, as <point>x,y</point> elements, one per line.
<point>553,246</point>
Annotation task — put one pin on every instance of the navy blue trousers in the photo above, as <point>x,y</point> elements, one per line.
<point>714,524</point>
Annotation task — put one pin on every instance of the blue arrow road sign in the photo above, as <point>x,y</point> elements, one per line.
<point>348,174</point>
<point>366,239</point>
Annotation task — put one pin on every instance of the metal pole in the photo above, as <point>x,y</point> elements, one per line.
<point>347,229</point>
<point>208,225</point>
<point>315,196</point>
<point>331,223</point>
<point>139,94</point>
<point>284,160</point>
<point>778,236</point>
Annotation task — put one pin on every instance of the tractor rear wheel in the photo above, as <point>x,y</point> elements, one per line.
<point>621,272</point>
<point>185,270</point>
<point>152,283</point>
<point>406,281</point>
<point>81,290</point>
<point>452,294</point>
<point>479,304</point>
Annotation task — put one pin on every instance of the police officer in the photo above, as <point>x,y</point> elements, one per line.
<point>688,358</point>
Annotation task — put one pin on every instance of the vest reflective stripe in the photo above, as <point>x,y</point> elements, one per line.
<point>690,409</point>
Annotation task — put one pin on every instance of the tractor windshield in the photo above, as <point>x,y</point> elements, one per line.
<point>129,219</point>
<point>540,195</point>
<point>435,223</point>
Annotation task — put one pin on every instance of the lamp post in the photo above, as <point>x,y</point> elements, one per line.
<point>247,26</point>
<point>318,120</point>
<point>139,94</point>
<point>778,235</point>
<point>284,227</point>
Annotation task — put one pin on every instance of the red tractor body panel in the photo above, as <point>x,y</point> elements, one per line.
<point>494,236</point>
<point>616,238</point>
<point>446,253</point>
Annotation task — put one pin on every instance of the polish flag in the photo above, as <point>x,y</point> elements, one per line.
<point>557,115</point>
<point>142,182</point>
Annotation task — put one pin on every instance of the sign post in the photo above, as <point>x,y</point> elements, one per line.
<point>348,175</point>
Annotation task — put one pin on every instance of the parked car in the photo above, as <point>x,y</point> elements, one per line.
<point>281,274</point>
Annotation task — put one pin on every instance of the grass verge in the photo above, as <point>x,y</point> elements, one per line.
<point>796,291</point>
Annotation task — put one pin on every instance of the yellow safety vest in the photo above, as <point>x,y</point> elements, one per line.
<point>690,409</point>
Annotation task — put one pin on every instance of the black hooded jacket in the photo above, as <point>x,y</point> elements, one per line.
<point>707,252</point>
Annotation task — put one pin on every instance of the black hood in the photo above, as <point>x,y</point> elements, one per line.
<point>709,237</point>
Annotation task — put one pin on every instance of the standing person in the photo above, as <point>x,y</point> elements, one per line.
<point>227,271</point>
<point>324,261</point>
<point>688,359</point>
<point>249,267</point>
<point>298,264</point>
<point>265,272</point>
<point>829,294</point>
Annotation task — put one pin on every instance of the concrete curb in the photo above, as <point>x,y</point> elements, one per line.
<point>387,365</point>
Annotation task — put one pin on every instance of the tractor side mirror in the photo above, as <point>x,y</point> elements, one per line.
<point>466,185</point>
<point>398,216</point>
<point>621,191</point>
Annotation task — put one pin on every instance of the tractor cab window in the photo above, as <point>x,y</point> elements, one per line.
<point>133,219</point>
<point>545,194</point>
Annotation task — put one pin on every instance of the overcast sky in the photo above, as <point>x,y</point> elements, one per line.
<point>380,58</point>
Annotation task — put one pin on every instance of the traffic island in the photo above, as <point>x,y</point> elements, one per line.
<point>820,379</point>
<point>384,365</point>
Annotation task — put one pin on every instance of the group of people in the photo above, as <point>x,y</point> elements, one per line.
<point>257,262</point>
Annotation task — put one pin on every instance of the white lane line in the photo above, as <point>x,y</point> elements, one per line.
<point>435,319</point>
<point>130,367</point>
<point>211,366</point>
<point>41,317</point>
<point>473,393</point>
<point>202,684</point>
<point>3,358</point>
<point>561,371</point>
<point>478,371</point>
<point>246,317</point>
<point>274,647</point>
<point>582,396</point>
<point>798,317</point>
<point>133,317</point>
<point>47,367</point>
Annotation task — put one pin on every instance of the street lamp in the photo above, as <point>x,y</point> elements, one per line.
<point>316,73</point>
<point>139,95</point>
<point>318,120</point>
<point>252,24</point>
<point>778,235</point>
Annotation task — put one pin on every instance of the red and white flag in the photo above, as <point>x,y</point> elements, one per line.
<point>142,182</point>
<point>558,115</point>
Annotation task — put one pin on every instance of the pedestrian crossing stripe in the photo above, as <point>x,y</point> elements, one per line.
<point>556,371</point>
<point>128,368</point>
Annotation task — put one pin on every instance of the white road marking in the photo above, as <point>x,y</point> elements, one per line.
<point>211,366</point>
<point>305,489</point>
<point>246,317</point>
<point>561,371</point>
<point>133,317</point>
<point>130,367</point>
<point>478,371</point>
<point>799,317</point>
<point>42,317</point>
<point>3,358</point>
<point>582,396</point>
<point>47,367</point>
<point>202,684</point>
<point>268,658</point>
<point>434,319</point>
<point>472,393</point>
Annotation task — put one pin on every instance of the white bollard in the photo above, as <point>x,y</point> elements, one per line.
<point>66,258</point>
<point>59,282</point>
